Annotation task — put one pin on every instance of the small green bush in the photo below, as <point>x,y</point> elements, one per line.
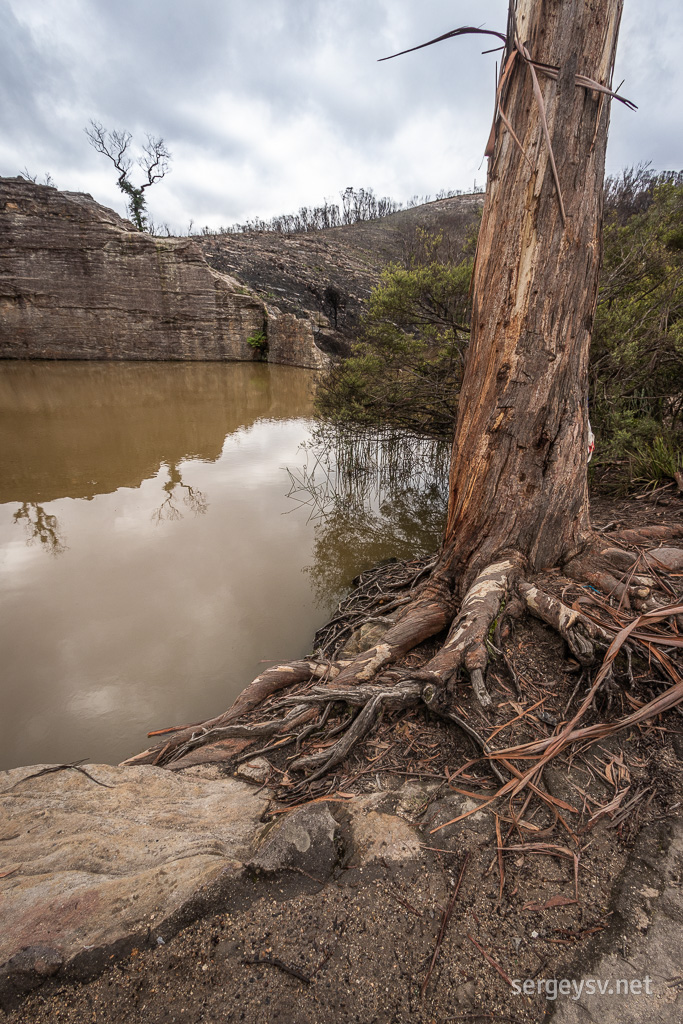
<point>258,342</point>
<point>657,461</point>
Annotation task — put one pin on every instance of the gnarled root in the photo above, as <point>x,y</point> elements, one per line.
<point>425,617</point>
<point>401,696</point>
<point>369,683</point>
<point>466,642</point>
<point>580,632</point>
<point>429,613</point>
<point>273,679</point>
<point>647,535</point>
<point>630,577</point>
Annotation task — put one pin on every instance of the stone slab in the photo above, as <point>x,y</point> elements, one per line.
<point>87,864</point>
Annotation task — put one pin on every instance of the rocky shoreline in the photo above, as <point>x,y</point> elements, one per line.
<point>79,282</point>
<point>151,895</point>
<point>140,894</point>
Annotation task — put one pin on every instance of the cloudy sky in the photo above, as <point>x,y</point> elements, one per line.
<point>270,104</point>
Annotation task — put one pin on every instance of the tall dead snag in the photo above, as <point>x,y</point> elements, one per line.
<point>518,484</point>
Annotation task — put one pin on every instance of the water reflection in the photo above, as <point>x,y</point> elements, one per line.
<point>161,488</point>
<point>81,429</point>
<point>194,499</point>
<point>40,526</point>
<point>184,565</point>
<point>371,495</point>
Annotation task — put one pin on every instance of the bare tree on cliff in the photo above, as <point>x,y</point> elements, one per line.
<point>154,164</point>
<point>518,500</point>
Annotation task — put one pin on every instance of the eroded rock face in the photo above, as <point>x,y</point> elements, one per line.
<point>327,276</point>
<point>79,282</point>
<point>89,861</point>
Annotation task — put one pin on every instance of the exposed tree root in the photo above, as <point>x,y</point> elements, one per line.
<point>580,632</point>
<point>273,679</point>
<point>263,730</point>
<point>422,606</point>
<point>646,536</point>
<point>377,591</point>
<point>466,641</point>
<point>631,577</point>
<point>401,696</point>
<point>427,615</point>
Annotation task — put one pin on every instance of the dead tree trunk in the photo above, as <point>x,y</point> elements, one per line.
<point>518,467</point>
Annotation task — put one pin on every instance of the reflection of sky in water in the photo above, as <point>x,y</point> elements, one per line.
<point>136,614</point>
<point>142,620</point>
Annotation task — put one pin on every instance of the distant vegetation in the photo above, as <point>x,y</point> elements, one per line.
<point>406,370</point>
<point>356,205</point>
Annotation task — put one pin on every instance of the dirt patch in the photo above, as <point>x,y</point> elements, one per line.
<point>359,947</point>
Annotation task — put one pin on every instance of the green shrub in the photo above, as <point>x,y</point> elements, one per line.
<point>636,369</point>
<point>657,461</point>
<point>406,370</point>
<point>259,343</point>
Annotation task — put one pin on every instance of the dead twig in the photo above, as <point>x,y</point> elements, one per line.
<point>490,960</point>
<point>444,923</point>
<point>76,765</point>
<point>273,961</point>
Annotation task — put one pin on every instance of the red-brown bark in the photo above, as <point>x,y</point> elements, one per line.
<point>518,468</point>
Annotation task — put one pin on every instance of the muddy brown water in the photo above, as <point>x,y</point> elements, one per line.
<point>166,531</point>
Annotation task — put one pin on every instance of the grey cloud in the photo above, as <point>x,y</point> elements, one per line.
<point>270,104</point>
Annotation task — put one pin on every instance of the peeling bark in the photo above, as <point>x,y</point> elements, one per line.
<point>579,631</point>
<point>518,468</point>
<point>465,644</point>
<point>431,612</point>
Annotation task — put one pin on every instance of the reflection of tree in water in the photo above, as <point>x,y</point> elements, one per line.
<point>40,526</point>
<point>194,499</point>
<point>372,495</point>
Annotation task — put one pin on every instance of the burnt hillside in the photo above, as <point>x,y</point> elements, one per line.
<point>328,275</point>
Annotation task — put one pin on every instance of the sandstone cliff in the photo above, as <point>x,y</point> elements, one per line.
<point>79,282</point>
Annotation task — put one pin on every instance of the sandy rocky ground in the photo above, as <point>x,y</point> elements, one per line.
<point>351,907</point>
